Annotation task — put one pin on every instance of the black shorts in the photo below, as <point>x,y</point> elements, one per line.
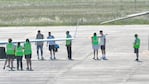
<point>10,56</point>
<point>28,56</point>
<point>51,47</point>
<point>136,50</point>
<point>102,47</point>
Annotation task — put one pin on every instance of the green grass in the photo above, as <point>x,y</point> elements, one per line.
<point>67,12</point>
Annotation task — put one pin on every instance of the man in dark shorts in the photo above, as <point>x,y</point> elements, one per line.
<point>136,46</point>
<point>103,44</point>
<point>51,46</point>
<point>28,54</point>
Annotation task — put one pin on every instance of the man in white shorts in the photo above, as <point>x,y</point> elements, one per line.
<point>95,45</point>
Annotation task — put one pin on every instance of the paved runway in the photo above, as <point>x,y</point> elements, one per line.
<point>119,69</point>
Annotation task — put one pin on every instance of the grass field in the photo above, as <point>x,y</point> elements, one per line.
<point>67,12</point>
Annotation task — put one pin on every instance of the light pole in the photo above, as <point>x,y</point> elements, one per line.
<point>78,23</point>
<point>135,4</point>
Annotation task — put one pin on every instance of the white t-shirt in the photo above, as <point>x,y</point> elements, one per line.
<point>51,42</point>
<point>102,40</point>
<point>39,36</point>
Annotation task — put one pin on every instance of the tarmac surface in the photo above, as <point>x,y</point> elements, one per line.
<point>120,68</point>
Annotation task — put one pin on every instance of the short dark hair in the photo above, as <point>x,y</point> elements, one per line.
<point>27,40</point>
<point>38,31</point>
<point>9,40</point>
<point>101,31</point>
<point>95,34</point>
<point>136,35</point>
<point>67,32</point>
<point>18,44</point>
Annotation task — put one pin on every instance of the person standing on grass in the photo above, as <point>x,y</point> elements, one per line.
<point>28,54</point>
<point>95,45</point>
<point>10,52</point>
<point>51,46</point>
<point>68,45</point>
<point>103,44</point>
<point>19,56</point>
<point>136,46</point>
<point>40,45</point>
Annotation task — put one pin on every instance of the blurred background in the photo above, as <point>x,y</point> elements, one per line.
<point>67,12</point>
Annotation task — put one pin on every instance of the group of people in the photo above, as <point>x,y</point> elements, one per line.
<point>17,52</point>
<point>52,45</point>
<point>96,44</point>
<point>102,44</point>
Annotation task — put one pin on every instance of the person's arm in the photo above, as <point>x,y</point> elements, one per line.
<point>92,40</point>
<point>54,38</point>
<point>23,47</point>
<point>104,39</point>
<point>99,36</point>
<point>135,41</point>
<point>42,38</point>
<point>47,42</point>
<point>70,40</point>
<point>36,38</point>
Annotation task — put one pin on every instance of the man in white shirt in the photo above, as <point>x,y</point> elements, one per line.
<point>51,46</point>
<point>103,44</point>
<point>39,45</point>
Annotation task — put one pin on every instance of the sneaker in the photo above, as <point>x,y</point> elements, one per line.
<point>31,69</point>
<point>54,58</point>
<point>21,69</point>
<point>105,58</point>
<point>137,59</point>
<point>94,58</point>
<point>8,66</point>
<point>12,69</point>
<point>69,59</point>
<point>51,58</point>
<point>42,58</point>
<point>38,58</point>
<point>27,68</point>
<point>4,67</point>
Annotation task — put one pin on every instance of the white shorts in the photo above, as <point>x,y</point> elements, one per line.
<point>95,47</point>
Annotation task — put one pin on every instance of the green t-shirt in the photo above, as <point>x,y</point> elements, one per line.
<point>68,42</point>
<point>27,48</point>
<point>19,51</point>
<point>10,49</point>
<point>95,40</point>
<point>137,43</point>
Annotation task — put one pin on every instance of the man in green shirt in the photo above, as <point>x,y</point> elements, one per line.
<point>19,55</point>
<point>68,45</point>
<point>10,52</point>
<point>95,45</point>
<point>136,46</point>
<point>28,54</point>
